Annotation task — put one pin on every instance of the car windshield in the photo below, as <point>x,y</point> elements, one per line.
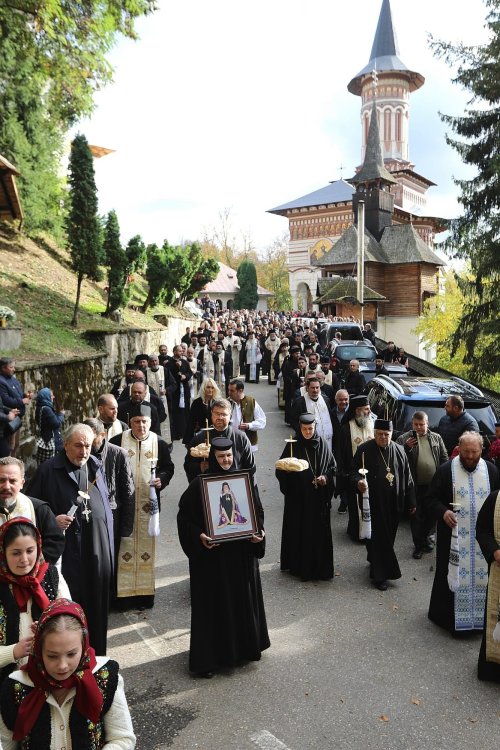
<point>346,353</point>
<point>482,413</point>
<point>348,332</point>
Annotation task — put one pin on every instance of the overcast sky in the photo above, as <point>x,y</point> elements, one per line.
<point>245,106</point>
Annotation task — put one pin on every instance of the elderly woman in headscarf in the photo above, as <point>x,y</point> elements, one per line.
<point>49,422</point>
<point>228,621</point>
<point>306,539</point>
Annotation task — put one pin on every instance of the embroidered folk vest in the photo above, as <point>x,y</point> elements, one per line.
<point>84,734</point>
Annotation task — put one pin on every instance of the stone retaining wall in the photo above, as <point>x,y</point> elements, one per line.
<point>78,382</point>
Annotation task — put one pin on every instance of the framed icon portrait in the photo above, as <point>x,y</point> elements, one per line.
<point>228,506</point>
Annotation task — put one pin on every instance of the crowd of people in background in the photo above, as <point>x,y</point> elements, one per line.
<point>86,529</point>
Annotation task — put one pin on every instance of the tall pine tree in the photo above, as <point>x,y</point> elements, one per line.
<point>118,265</point>
<point>475,236</point>
<point>247,297</point>
<point>82,225</point>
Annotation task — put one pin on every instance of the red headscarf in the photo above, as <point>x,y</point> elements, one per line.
<point>29,585</point>
<point>88,699</point>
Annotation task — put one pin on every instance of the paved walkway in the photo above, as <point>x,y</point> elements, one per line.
<point>349,667</point>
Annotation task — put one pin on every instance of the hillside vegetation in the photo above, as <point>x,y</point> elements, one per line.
<point>38,284</point>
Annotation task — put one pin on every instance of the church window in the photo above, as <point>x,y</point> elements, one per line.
<point>398,126</point>
<point>387,125</point>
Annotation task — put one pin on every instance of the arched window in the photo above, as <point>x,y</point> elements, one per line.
<point>387,125</point>
<point>399,129</point>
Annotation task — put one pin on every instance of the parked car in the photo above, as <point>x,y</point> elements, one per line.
<point>347,350</point>
<point>400,399</point>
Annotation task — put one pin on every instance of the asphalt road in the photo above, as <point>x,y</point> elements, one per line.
<point>349,667</point>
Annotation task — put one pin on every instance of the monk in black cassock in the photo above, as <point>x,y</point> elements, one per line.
<point>488,537</point>
<point>228,621</point>
<point>74,479</point>
<point>181,398</point>
<point>391,492</point>
<point>306,538</point>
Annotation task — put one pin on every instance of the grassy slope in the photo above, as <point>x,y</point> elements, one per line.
<point>36,282</point>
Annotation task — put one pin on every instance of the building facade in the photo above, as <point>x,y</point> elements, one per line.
<point>400,265</point>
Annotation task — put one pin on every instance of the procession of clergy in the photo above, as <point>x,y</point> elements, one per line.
<point>104,489</point>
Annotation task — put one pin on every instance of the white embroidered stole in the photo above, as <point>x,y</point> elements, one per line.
<point>137,553</point>
<point>320,411</point>
<point>359,434</point>
<point>470,490</point>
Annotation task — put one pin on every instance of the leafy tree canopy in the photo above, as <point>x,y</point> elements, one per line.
<point>53,60</point>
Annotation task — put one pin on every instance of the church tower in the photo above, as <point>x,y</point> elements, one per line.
<point>401,269</point>
<point>394,83</point>
<point>373,183</point>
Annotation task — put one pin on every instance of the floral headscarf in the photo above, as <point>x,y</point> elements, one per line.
<point>88,699</point>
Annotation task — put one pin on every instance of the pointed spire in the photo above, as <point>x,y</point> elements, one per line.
<point>385,55</point>
<point>373,169</point>
<point>385,42</point>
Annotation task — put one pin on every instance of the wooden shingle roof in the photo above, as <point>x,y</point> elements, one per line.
<point>338,288</point>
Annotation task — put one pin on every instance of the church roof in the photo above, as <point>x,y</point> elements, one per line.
<point>401,243</point>
<point>373,169</point>
<point>338,191</point>
<point>338,288</point>
<point>384,56</point>
<point>226,282</point>
<point>345,250</point>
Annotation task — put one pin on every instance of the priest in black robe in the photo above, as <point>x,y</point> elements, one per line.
<point>73,480</point>
<point>391,493</point>
<point>488,537</point>
<point>306,539</point>
<point>228,621</point>
<point>442,493</point>
<point>181,399</point>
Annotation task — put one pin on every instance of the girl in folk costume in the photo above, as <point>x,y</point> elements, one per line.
<point>253,358</point>
<point>201,409</point>
<point>27,585</point>
<point>64,696</point>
